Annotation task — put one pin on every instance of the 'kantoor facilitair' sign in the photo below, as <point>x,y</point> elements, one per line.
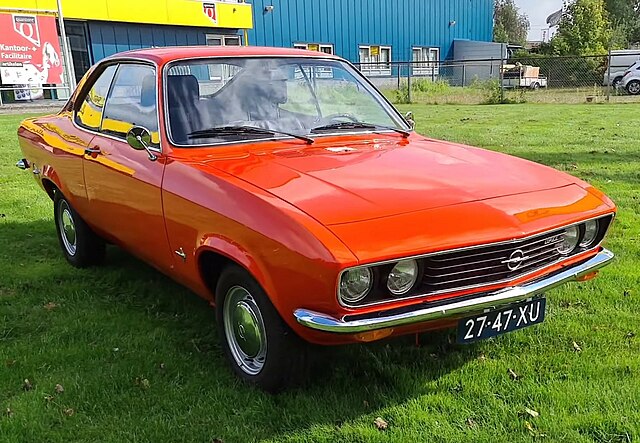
<point>29,50</point>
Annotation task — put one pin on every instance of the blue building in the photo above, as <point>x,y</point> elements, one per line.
<point>376,32</point>
<point>373,31</point>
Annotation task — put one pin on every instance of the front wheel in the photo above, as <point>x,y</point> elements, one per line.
<point>633,87</point>
<point>616,82</point>
<point>261,348</point>
<point>80,245</point>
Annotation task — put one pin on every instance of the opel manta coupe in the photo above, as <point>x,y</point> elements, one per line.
<point>281,186</point>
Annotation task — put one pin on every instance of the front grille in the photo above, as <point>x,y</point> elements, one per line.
<point>490,264</point>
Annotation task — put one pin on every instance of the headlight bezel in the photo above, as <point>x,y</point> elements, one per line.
<point>586,242</point>
<point>363,295</point>
<point>406,288</point>
<point>578,237</point>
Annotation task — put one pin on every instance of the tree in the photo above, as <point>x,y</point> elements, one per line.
<point>509,25</point>
<point>585,29</point>
<point>625,17</point>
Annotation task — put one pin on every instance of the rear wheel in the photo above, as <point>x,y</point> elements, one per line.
<point>535,86</point>
<point>261,348</point>
<point>633,87</point>
<point>80,245</point>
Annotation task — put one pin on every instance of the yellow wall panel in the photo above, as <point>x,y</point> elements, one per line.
<point>163,12</point>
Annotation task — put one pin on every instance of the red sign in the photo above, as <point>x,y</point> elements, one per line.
<point>209,10</point>
<point>29,50</point>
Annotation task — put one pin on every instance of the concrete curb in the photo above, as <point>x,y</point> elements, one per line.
<point>32,108</point>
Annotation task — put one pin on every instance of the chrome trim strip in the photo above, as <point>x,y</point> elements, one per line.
<point>467,248</point>
<point>495,300</point>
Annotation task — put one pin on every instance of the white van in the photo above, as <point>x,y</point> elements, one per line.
<point>620,62</point>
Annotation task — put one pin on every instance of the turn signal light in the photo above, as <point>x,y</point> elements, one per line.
<point>588,277</point>
<point>373,335</point>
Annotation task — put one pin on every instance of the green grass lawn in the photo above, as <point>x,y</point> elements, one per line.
<point>138,359</point>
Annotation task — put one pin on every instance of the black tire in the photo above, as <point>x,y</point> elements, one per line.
<point>282,362</point>
<point>83,247</point>
<point>535,86</point>
<point>633,87</point>
<point>616,82</point>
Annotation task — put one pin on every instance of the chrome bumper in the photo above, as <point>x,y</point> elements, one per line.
<point>493,300</point>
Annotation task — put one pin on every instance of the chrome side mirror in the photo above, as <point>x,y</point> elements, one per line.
<point>409,119</point>
<point>139,138</point>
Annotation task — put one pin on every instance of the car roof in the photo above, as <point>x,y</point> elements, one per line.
<point>169,53</point>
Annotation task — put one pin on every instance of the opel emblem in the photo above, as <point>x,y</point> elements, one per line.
<point>516,259</point>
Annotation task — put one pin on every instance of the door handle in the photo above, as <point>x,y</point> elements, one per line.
<point>92,151</point>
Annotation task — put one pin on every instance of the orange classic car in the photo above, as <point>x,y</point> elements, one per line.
<point>281,186</point>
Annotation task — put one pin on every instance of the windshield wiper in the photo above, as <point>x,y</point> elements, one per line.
<point>242,129</point>
<point>359,125</point>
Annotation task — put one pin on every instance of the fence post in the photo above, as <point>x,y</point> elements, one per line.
<point>464,74</point>
<point>399,74</point>
<point>502,79</point>
<point>609,85</point>
<point>409,82</point>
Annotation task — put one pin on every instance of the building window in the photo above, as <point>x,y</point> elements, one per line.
<point>223,40</point>
<point>375,60</point>
<point>425,60</point>
<point>318,47</point>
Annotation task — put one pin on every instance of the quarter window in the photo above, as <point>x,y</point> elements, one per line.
<point>132,101</point>
<point>89,115</point>
<point>375,60</point>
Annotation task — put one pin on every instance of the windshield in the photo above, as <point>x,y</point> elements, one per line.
<point>300,96</point>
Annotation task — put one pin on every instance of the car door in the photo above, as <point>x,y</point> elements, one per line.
<point>123,184</point>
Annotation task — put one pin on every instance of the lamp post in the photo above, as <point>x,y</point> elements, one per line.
<point>65,49</point>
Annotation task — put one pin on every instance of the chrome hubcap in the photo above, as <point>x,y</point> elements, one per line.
<point>244,330</point>
<point>634,87</point>
<point>67,228</point>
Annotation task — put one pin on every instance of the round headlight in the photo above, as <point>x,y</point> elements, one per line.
<point>402,277</point>
<point>590,233</point>
<point>571,239</point>
<point>355,284</point>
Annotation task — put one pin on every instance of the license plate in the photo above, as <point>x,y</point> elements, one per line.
<point>494,323</point>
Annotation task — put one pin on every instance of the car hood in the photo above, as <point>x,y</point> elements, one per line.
<point>337,182</point>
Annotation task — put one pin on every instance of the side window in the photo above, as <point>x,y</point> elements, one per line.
<point>132,102</point>
<point>89,115</point>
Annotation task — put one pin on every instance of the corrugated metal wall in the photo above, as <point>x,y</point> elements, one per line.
<point>347,24</point>
<point>107,38</point>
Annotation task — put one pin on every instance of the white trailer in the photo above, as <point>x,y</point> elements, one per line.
<point>521,76</point>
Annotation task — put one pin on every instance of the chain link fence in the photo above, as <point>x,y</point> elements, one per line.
<point>532,79</point>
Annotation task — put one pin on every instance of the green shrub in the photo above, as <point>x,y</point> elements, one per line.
<point>430,87</point>
<point>494,95</point>
<point>402,95</point>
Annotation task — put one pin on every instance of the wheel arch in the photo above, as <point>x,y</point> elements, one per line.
<point>217,253</point>
<point>50,187</point>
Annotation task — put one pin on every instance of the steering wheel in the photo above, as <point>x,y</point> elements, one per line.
<point>337,116</point>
